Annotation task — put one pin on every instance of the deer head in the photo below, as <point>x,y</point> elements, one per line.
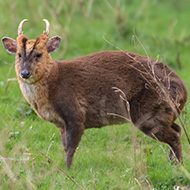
<point>32,56</point>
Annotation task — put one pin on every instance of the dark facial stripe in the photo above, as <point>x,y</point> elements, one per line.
<point>33,48</point>
<point>24,40</point>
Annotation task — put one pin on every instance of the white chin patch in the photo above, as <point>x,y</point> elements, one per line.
<point>29,80</point>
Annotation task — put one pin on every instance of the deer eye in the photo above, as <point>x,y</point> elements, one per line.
<point>19,55</point>
<point>39,55</point>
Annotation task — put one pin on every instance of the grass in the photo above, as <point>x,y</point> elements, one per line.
<point>113,157</point>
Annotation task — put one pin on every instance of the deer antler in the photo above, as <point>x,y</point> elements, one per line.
<point>47,27</point>
<point>20,27</point>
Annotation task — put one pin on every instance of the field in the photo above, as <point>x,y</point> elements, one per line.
<point>113,157</point>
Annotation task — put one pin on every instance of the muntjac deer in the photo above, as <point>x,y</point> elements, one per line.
<point>81,93</point>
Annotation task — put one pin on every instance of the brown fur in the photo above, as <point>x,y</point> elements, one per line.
<point>78,94</point>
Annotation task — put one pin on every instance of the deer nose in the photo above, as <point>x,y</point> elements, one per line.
<point>25,74</point>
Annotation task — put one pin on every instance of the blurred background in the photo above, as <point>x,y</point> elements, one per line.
<point>162,26</point>
<point>159,29</point>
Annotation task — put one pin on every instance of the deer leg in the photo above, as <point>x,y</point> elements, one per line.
<point>172,138</point>
<point>170,134</point>
<point>73,137</point>
<point>63,139</point>
<point>176,152</point>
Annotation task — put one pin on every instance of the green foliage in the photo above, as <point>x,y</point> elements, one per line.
<point>114,157</point>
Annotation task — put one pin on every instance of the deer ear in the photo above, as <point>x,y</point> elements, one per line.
<point>53,44</point>
<point>10,45</point>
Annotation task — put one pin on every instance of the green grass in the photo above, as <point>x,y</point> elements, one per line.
<point>113,157</point>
